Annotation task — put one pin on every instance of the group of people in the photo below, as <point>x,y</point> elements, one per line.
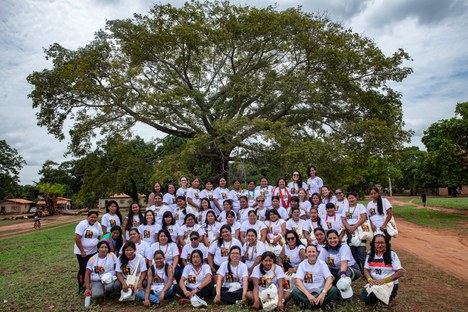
<point>259,246</point>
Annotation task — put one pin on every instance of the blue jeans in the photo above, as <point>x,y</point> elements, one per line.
<point>154,296</point>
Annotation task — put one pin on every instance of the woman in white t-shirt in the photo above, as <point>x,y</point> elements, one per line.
<point>316,202</point>
<point>244,209</point>
<point>133,219</point>
<point>169,199</point>
<point>327,196</point>
<point>204,208</point>
<point>219,249</point>
<point>87,234</point>
<point>312,223</point>
<point>339,258</point>
<point>282,192</point>
<point>227,206</point>
<point>212,227</point>
<point>130,263</point>
<point>182,190</point>
<point>382,266</point>
<point>157,189</point>
<point>253,250</point>
<point>159,287</point>
<point>169,224</point>
<point>379,211</point>
<point>170,250</point>
<point>251,193</point>
<point>314,282</point>
<point>264,275</point>
<point>265,190</point>
<point>196,278</point>
<point>232,279</point>
<point>320,238</point>
<point>332,220</point>
<point>182,210</point>
<point>341,203</point>
<point>231,221</point>
<point>187,228</point>
<point>296,184</point>
<point>292,254</point>
<point>235,194</point>
<point>220,194</point>
<point>112,216</point>
<point>304,203</point>
<point>276,229</point>
<point>297,224</point>
<point>101,263</point>
<point>193,195</point>
<point>353,216</point>
<point>252,223</point>
<point>142,247</point>
<point>208,193</point>
<point>261,209</point>
<point>314,183</point>
<point>149,228</point>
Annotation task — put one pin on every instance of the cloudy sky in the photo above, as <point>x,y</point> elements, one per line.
<point>433,32</point>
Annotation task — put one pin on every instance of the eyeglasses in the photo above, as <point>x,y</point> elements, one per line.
<point>296,174</point>
<point>338,193</point>
<point>260,201</point>
<point>290,238</point>
<point>193,238</point>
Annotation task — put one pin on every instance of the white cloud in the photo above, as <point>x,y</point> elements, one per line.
<point>433,32</point>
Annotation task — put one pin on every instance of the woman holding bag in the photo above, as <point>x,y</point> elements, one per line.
<point>131,269</point>
<point>379,211</point>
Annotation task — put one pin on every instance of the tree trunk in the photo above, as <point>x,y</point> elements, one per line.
<point>134,191</point>
<point>453,190</point>
<point>219,163</point>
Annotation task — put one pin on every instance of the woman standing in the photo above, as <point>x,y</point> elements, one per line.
<point>314,182</point>
<point>157,189</point>
<point>382,266</point>
<point>159,285</point>
<point>87,234</point>
<point>133,219</point>
<point>379,211</point>
<point>220,194</point>
<point>339,258</point>
<point>282,192</point>
<point>296,183</point>
<point>193,195</point>
<point>182,190</point>
<point>112,216</point>
<point>229,273</point>
<point>149,228</point>
<point>219,250</point>
<point>102,263</point>
<point>130,263</point>
<point>169,199</point>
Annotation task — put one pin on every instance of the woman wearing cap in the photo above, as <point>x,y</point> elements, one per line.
<point>170,250</point>
<point>196,278</point>
<point>96,283</point>
<point>352,217</point>
<point>382,266</point>
<point>188,227</point>
<point>219,249</point>
<point>314,282</point>
<point>379,211</point>
<point>130,263</point>
<point>232,279</point>
<point>265,274</point>
<point>149,228</point>
<point>252,223</point>
<point>159,284</point>
<point>339,258</point>
<point>253,249</point>
<point>112,216</point>
<point>189,248</point>
<point>87,234</point>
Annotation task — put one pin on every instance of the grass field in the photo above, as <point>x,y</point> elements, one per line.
<point>454,202</point>
<point>437,219</point>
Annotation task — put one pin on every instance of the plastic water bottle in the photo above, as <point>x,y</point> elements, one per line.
<point>87,300</point>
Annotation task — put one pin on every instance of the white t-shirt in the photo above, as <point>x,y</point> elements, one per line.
<point>258,227</point>
<point>341,205</point>
<point>135,224</point>
<point>305,207</point>
<point>352,215</point>
<point>236,226</point>
<point>173,231</point>
<point>148,232</point>
<point>326,201</point>
<point>220,254</point>
<point>210,195</point>
<point>185,231</point>
<point>179,215</point>
<point>194,194</point>
<point>266,193</point>
<point>262,214</point>
<point>334,257</point>
<point>129,268</point>
<point>283,213</point>
<point>333,222</point>
<point>315,185</point>
<point>170,200</point>
<point>170,251</point>
<point>270,277</point>
<point>274,228</point>
<point>159,212</point>
<point>294,187</point>
<point>378,268</point>
<point>252,252</point>
<point>99,266</point>
<point>298,227</point>
<point>244,214</point>
<point>159,276</point>
<point>212,231</point>
<point>234,196</point>
<point>89,236</point>
<point>236,276</point>
<point>188,249</point>
<point>182,192</point>
<point>142,248</point>
<point>313,276</point>
<point>221,194</point>
<point>222,216</point>
<point>292,256</point>
<point>195,278</point>
<point>373,214</point>
<point>109,221</point>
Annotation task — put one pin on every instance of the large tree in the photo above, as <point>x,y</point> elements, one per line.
<point>10,165</point>
<point>447,146</point>
<point>230,77</point>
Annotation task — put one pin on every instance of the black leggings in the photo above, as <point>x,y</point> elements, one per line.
<point>229,297</point>
<point>82,262</point>
<point>205,292</point>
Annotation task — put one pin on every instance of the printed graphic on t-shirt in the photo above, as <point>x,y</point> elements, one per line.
<point>372,211</point>
<point>348,215</point>
<point>112,222</point>
<point>89,234</point>
<point>230,278</point>
<point>192,279</point>
<point>329,224</point>
<point>135,223</point>
<point>365,227</point>
<point>224,195</point>
<point>98,269</point>
<point>126,270</point>
<point>157,279</point>
<point>224,252</point>
<point>331,261</point>
<point>309,278</point>
<point>196,195</point>
<point>286,283</point>
<point>146,234</point>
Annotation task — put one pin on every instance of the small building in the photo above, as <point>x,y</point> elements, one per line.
<point>462,190</point>
<point>123,200</point>
<point>62,203</point>
<point>15,206</point>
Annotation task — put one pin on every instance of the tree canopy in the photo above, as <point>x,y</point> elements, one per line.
<point>10,165</point>
<point>230,78</point>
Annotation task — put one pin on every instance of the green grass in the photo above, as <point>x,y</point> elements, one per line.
<point>404,199</point>
<point>454,203</point>
<point>432,218</point>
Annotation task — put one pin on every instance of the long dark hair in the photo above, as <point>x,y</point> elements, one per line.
<point>327,246</point>
<point>165,215</point>
<point>119,240</point>
<point>153,267</point>
<point>387,256</point>
<point>330,194</point>
<point>206,217</point>
<point>190,215</point>
<point>310,167</point>
<point>264,256</point>
<point>117,212</point>
<point>123,258</point>
<point>292,210</point>
<point>296,236</point>
<point>220,238</point>
<point>299,181</point>
<point>196,251</point>
<point>145,222</point>
<point>206,200</point>
<point>166,232</point>
<point>130,216</point>
<point>379,200</point>
<point>319,221</point>
<point>229,257</point>
<point>184,211</point>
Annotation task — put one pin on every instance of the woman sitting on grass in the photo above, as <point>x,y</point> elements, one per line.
<point>382,266</point>
<point>100,277</point>
<point>159,284</point>
<point>131,263</point>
